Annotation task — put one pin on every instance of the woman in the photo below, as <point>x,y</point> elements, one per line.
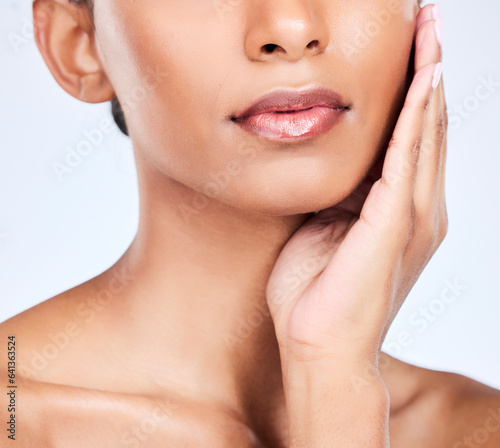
<point>290,158</point>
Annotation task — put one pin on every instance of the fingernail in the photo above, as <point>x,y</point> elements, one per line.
<point>437,74</point>
<point>438,22</point>
<point>436,11</point>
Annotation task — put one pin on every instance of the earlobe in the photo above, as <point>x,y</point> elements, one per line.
<point>66,40</point>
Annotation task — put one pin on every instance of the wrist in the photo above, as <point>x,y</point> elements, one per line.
<point>352,351</point>
<point>325,407</point>
<point>303,359</point>
<point>355,377</point>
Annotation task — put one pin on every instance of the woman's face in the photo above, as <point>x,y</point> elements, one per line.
<point>182,68</point>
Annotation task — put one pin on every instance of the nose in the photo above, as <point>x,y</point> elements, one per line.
<point>285,30</point>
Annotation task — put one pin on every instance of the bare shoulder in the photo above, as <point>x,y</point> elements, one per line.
<point>40,332</point>
<point>70,392</point>
<point>101,288</point>
<point>61,416</point>
<point>475,412</point>
<point>53,337</point>
<point>52,415</point>
<point>25,352</point>
<point>447,409</point>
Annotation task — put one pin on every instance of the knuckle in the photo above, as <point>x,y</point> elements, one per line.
<point>443,227</point>
<point>441,128</point>
<point>424,103</point>
<point>428,229</point>
<point>408,226</point>
<point>420,103</point>
<point>445,115</point>
<point>428,232</point>
<point>417,143</point>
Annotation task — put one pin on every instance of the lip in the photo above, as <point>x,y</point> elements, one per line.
<point>289,114</point>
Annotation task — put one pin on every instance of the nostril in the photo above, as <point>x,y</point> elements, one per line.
<point>269,48</point>
<point>313,44</point>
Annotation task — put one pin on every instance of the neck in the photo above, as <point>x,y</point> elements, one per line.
<point>198,294</point>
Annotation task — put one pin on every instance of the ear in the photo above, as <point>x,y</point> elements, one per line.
<point>66,40</point>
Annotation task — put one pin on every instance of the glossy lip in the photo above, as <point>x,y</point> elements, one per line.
<point>290,115</point>
<point>283,100</point>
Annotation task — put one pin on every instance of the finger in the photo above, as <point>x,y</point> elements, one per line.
<point>427,179</point>
<point>423,15</point>
<point>426,196</point>
<point>429,36</point>
<point>398,174</point>
<point>444,150</point>
<point>442,168</point>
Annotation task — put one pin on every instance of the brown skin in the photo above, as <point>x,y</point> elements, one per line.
<point>163,326</point>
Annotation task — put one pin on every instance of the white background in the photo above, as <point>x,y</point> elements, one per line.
<point>55,235</point>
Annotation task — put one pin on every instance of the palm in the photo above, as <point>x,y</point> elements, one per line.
<point>297,284</point>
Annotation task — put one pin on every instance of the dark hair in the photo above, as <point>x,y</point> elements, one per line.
<point>90,6</point>
<point>118,115</point>
<point>116,108</point>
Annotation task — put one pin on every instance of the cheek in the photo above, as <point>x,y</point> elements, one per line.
<point>379,63</point>
<point>376,45</point>
<point>169,86</point>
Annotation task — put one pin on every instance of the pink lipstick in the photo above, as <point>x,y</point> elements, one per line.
<point>291,115</point>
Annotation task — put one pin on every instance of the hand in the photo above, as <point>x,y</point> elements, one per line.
<point>342,277</point>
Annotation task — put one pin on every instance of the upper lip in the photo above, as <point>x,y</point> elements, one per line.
<point>282,100</point>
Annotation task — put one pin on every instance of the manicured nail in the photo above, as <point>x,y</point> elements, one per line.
<point>438,22</point>
<point>437,74</point>
<point>436,11</point>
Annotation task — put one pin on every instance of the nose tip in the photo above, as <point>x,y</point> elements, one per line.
<point>287,30</point>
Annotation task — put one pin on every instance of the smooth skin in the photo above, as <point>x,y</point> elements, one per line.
<point>246,319</point>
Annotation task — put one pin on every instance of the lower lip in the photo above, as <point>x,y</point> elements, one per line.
<point>291,126</point>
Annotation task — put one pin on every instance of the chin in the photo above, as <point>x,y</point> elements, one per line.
<point>289,199</point>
